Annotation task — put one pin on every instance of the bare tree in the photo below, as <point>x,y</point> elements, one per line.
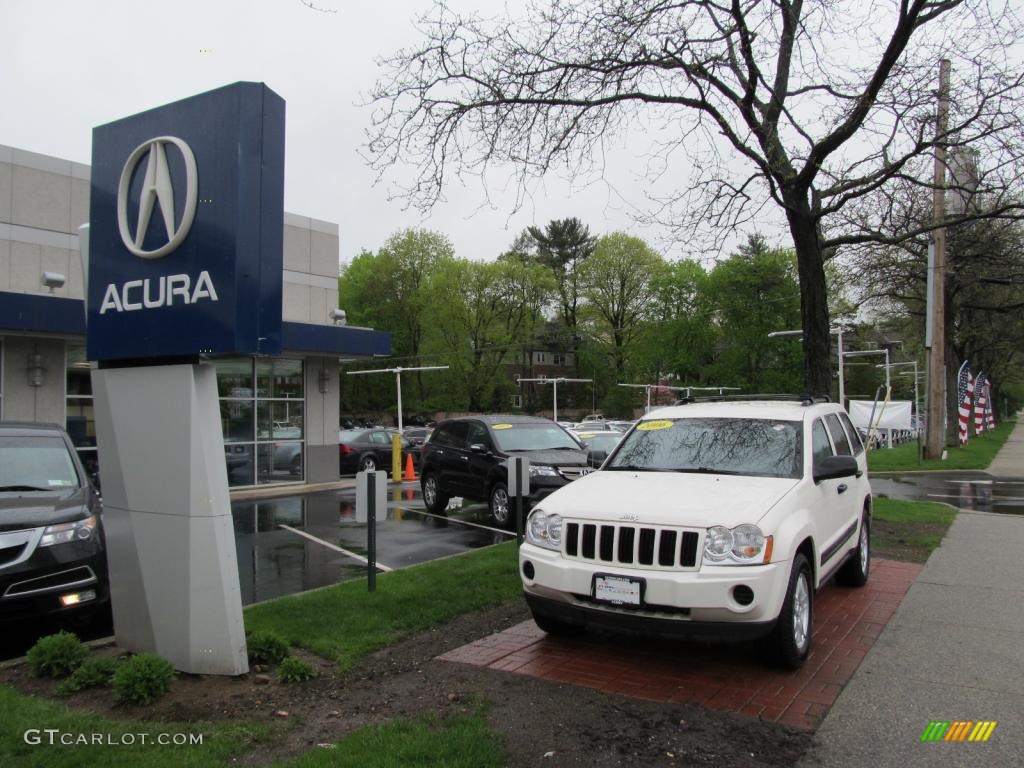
<point>817,106</point>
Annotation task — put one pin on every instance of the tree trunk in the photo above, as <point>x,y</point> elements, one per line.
<point>813,299</point>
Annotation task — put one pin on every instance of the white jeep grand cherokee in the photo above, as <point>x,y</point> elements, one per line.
<point>712,519</point>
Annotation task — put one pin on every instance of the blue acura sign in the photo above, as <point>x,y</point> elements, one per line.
<point>186,228</point>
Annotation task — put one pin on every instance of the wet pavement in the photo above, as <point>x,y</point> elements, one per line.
<point>975,491</point>
<point>296,543</point>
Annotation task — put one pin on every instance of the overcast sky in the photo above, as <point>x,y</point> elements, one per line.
<point>70,65</point>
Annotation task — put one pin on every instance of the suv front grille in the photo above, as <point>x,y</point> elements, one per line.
<point>638,546</point>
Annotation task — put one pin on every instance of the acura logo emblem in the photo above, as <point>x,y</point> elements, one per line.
<point>157,188</point>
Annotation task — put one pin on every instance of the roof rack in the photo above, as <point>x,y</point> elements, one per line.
<point>804,399</point>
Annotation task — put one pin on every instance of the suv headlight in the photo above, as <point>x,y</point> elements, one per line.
<point>544,530</point>
<point>80,530</point>
<point>744,544</point>
<point>542,470</point>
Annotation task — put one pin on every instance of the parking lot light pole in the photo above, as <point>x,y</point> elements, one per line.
<point>554,382</point>
<point>838,331</point>
<point>649,387</point>
<point>396,440</point>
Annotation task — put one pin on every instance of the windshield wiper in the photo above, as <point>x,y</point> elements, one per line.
<point>636,468</point>
<point>6,488</point>
<point>707,471</point>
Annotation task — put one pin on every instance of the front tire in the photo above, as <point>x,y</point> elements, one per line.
<point>500,505</point>
<point>368,464</point>
<point>433,499</point>
<point>856,570</point>
<point>791,638</point>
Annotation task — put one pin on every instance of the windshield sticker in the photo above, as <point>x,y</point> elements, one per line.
<point>502,426</point>
<point>53,483</point>
<point>587,435</point>
<point>647,426</point>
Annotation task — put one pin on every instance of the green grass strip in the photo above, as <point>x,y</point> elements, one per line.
<point>900,511</point>
<point>977,454</point>
<point>346,622</point>
<point>459,742</point>
<point>462,742</point>
<point>26,718</point>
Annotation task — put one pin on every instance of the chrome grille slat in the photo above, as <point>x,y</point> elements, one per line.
<point>650,547</point>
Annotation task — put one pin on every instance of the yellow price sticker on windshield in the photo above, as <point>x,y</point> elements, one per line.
<point>587,435</point>
<point>647,426</point>
<point>502,426</point>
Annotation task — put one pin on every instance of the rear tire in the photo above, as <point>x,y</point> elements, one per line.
<point>791,638</point>
<point>856,570</point>
<point>433,499</point>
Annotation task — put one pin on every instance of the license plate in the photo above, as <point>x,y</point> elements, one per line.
<point>617,589</point>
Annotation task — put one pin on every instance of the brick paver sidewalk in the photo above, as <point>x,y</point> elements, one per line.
<point>727,677</point>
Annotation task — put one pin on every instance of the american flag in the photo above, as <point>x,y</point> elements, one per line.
<point>964,397</point>
<point>980,403</point>
<point>990,416</point>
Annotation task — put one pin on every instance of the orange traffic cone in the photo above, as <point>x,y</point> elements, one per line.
<point>410,471</point>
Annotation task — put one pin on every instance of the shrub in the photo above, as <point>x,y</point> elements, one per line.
<point>142,679</point>
<point>92,673</point>
<point>266,647</point>
<point>294,670</point>
<point>57,655</point>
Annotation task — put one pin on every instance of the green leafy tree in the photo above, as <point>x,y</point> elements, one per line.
<point>617,281</point>
<point>753,293</point>
<point>483,313</point>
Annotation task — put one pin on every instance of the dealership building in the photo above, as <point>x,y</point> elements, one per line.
<point>279,414</point>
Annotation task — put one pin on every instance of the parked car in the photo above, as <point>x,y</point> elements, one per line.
<point>370,449</point>
<point>466,457</point>
<point>598,444</point>
<point>417,435</point>
<point>711,520</point>
<point>621,426</point>
<point>52,554</point>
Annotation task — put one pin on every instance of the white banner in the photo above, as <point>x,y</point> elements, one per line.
<point>896,414</point>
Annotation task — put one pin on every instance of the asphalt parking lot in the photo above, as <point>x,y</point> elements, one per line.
<point>296,543</point>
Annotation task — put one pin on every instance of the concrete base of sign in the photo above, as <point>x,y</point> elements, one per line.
<point>167,515</point>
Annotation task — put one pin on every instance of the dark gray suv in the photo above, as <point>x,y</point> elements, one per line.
<point>52,555</point>
<point>466,457</point>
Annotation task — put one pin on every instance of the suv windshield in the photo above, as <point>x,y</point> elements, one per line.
<point>532,437</point>
<point>35,462</point>
<point>756,447</point>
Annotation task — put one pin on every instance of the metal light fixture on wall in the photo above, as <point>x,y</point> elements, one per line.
<point>36,370</point>
<point>323,380</point>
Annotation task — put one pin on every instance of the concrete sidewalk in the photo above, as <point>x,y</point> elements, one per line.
<point>1009,462</point>
<point>953,651</point>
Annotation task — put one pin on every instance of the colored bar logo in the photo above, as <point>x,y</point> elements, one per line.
<point>958,730</point>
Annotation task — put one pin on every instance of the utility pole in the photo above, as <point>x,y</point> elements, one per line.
<point>936,427</point>
<point>554,405</point>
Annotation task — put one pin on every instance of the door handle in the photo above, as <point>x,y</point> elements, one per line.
<point>841,488</point>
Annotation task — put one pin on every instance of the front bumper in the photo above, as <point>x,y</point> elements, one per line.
<point>33,588</point>
<point>702,603</point>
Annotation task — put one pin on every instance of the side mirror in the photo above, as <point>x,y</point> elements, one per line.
<point>835,467</point>
<point>597,458</point>
<point>478,448</point>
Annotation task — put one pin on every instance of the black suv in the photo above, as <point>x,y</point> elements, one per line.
<point>466,457</point>
<point>52,556</point>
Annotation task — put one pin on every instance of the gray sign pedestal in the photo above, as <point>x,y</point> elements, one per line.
<point>167,515</point>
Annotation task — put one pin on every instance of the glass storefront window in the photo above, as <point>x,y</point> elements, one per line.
<point>263,426</point>
<point>280,420</point>
<point>279,379</point>
<point>80,418</point>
